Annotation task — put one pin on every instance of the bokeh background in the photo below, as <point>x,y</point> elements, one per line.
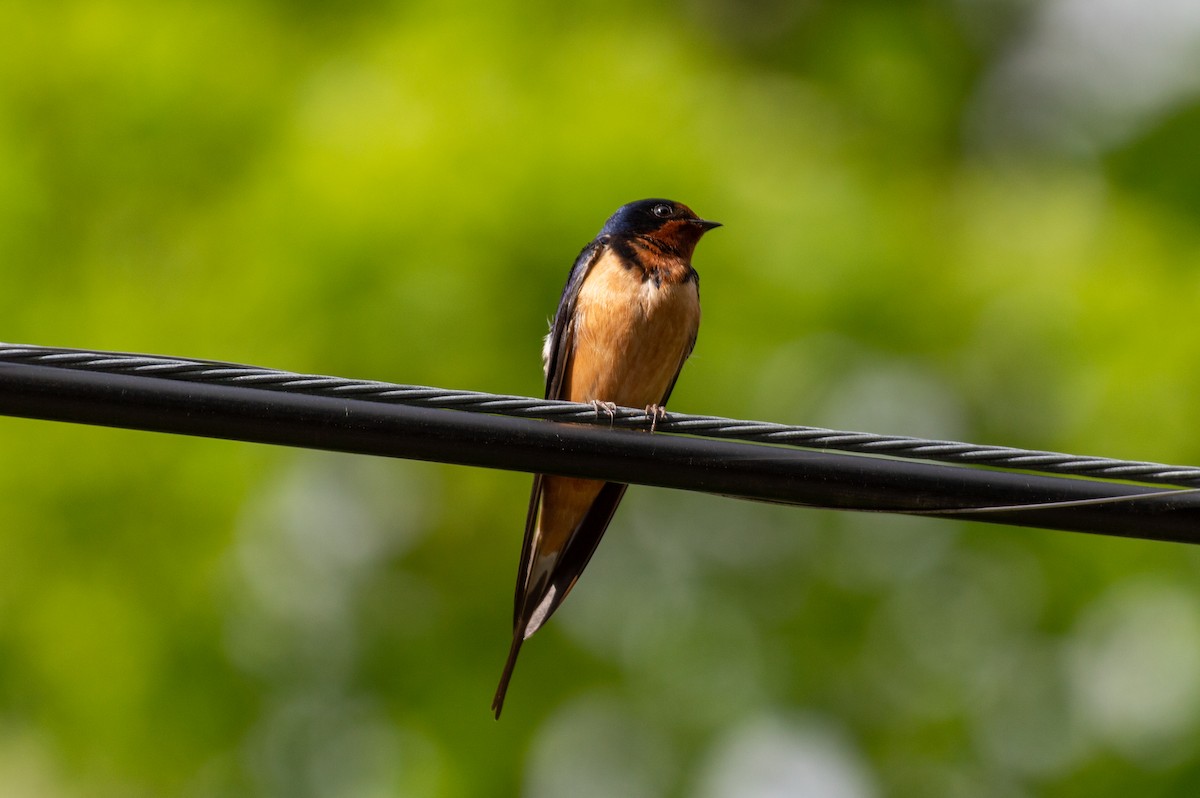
<point>972,220</point>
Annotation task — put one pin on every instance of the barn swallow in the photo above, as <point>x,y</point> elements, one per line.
<point>626,322</point>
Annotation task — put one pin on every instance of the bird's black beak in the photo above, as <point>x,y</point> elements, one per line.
<point>705,224</point>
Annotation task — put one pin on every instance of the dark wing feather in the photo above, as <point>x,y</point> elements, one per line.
<point>561,347</point>
<point>583,543</point>
<point>574,559</point>
<point>531,516</point>
<point>562,330</point>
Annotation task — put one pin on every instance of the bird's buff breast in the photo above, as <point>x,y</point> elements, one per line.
<point>631,334</point>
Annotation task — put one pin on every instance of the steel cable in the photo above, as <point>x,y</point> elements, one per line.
<point>213,372</point>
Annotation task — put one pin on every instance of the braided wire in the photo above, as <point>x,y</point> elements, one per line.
<point>186,369</point>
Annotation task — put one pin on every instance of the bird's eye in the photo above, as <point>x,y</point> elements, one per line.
<point>662,210</point>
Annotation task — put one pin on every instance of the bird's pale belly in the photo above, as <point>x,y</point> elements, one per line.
<point>631,336</point>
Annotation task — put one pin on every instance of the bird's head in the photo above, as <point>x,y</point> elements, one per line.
<point>671,223</point>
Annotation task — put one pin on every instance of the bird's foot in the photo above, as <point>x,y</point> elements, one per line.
<point>608,408</point>
<point>655,414</point>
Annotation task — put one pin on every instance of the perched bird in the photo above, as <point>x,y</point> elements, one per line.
<point>626,322</point>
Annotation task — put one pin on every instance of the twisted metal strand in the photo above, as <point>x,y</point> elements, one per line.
<point>186,369</point>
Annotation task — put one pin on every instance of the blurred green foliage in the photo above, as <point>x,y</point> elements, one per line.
<point>914,243</point>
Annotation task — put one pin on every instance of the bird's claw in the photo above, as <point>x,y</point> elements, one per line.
<point>608,408</point>
<point>655,414</point>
